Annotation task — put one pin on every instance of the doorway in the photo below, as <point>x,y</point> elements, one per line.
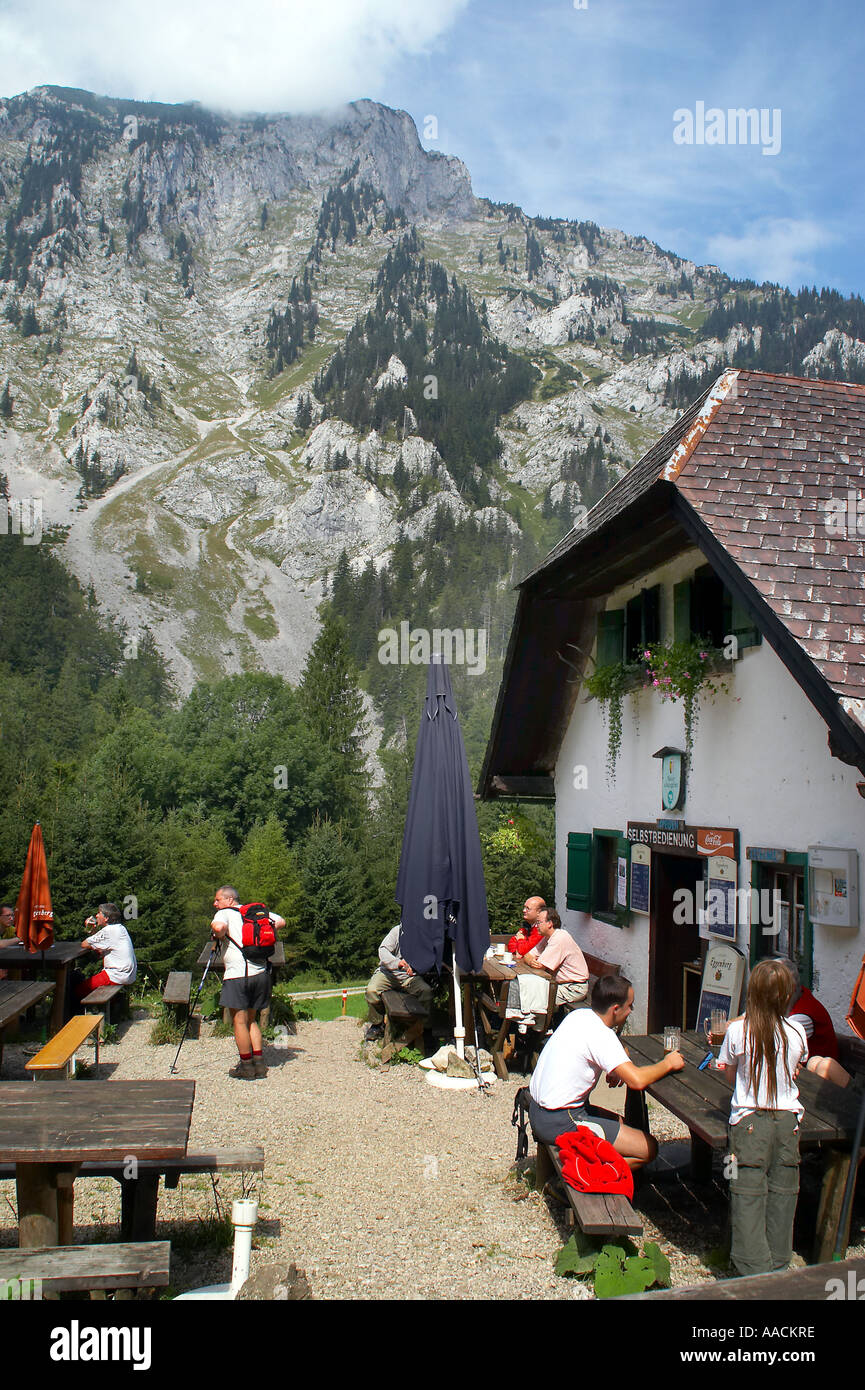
<point>672,943</point>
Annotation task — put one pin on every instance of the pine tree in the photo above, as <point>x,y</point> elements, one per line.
<point>337,935</point>
<point>6,402</point>
<point>332,704</point>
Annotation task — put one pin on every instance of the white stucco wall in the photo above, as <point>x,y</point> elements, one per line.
<point>761,765</point>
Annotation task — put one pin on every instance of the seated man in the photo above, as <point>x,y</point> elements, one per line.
<point>114,944</point>
<point>583,1046</point>
<point>814,1019</point>
<point>560,954</point>
<point>526,937</point>
<point>394,972</point>
<point>7,931</point>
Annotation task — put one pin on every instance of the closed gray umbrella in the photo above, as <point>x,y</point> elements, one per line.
<point>440,886</point>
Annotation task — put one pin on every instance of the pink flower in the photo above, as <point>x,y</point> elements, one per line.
<point>702,656</point>
<point>654,682</point>
<point>687,675</point>
<point>647,656</point>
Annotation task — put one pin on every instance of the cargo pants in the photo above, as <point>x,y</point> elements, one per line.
<point>764,1189</point>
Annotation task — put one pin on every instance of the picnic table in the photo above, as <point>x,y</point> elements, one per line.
<point>489,989</point>
<point>701,1099</point>
<point>16,997</point>
<point>57,958</point>
<point>49,1130</point>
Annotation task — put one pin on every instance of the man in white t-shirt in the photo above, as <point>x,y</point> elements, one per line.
<point>245,987</point>
<point>114,945</point>
<point>582,1047</point>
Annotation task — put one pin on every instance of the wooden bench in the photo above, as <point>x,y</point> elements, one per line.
<point>177,988</point>
<point>102,996</point>
<point>809,1285</point>
<point>405,1020</point>
<point>52,1061</point>
<point>78,1268</point>
<point>596,1213</point>
<point>851,1053</point>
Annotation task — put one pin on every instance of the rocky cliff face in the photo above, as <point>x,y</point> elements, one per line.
<point>174,284</point>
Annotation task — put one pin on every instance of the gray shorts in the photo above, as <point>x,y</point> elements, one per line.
<point>247,992</point>
<point>547,1125</point>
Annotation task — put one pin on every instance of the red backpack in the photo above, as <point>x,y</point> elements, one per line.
<point>258,935</point>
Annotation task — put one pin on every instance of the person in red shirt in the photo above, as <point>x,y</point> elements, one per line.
<point>526,937</point>
<point>814,1019</point>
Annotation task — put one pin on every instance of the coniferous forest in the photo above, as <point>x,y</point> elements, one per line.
<point>153,801</point>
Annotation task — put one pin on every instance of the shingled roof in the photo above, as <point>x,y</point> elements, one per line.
<point>764,473</point>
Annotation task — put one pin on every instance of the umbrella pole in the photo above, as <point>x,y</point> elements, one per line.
<point>459,1030</point>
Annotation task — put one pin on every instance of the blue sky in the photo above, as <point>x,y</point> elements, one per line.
<point>568,112</point>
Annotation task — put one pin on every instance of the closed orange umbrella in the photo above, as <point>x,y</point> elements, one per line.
<point>34,916</point>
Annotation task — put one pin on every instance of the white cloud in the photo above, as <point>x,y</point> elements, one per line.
<point>773,248</point>
<point>243,55</point>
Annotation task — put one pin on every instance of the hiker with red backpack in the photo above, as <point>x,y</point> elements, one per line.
<point>250,936</point>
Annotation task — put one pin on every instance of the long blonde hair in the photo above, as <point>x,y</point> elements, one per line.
<point>770,993</point>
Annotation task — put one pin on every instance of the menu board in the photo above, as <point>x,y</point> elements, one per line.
<point>641,858</point>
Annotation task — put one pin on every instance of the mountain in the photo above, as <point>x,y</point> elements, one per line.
<point>246,360</point>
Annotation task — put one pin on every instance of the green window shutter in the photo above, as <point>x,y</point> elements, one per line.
<point>738,621</point>
<point>651,615</point>
<point>579,885</point>
<point>623,851</point>
<point>611,637</point>
<point>682,611</point>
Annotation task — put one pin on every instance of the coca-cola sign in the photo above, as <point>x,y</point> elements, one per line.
<point>679,838</point>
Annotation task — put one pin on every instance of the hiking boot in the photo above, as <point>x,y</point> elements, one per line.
<point>244,1071</point>
<point>259,1066</point>
<point>374,1031</point>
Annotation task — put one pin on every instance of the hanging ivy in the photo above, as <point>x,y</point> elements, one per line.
<point>607,684</point>
<point>680,671</point>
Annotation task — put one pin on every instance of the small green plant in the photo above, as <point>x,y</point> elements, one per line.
<point>109,1033</point>
<point>615,1269</point>
<point>406,1054</point>
<point>207,1233</point>
<point>166,1029</point>
<point>607,684</point>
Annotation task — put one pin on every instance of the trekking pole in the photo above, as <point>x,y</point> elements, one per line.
<point>214,952</point>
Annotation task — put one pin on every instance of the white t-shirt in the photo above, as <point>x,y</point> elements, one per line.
<point>734,1052</point>
<point>118,958</point>
<point>581,1048</point>
<point>236,964</point>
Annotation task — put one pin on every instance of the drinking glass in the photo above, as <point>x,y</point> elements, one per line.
<point>672,1039</point>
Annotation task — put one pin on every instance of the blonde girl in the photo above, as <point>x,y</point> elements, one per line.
<point>767,1051</point>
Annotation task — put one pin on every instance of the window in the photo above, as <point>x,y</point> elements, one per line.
<point>597,864</point>
<point>624,633</point>
<point>702,608</point>
<point>783,928</point>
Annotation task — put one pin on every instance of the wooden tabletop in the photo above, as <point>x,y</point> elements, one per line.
<point>18,995</point>
<point>276,957</point>
<point>494,969</point>
<point>75,1121</point>
<point>702,1098</point>
<point>61,953</point>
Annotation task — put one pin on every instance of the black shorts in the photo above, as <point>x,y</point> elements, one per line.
<point>547,1125</point>
<point>247,992</point>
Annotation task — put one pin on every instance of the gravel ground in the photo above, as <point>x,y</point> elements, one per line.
<point>376,1184</point>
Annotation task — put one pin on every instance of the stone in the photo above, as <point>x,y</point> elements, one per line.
<point>457,1067</point>
<point>275,1283</point>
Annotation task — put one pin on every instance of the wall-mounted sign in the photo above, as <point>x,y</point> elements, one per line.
<point>833,886</point>
<point>672,782</point>
<point>641,861</point>
<point>723,972</point>
<point>766,856</point>
<point>719,914</point>
<point>622,881</point>
<point>693,840</point>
